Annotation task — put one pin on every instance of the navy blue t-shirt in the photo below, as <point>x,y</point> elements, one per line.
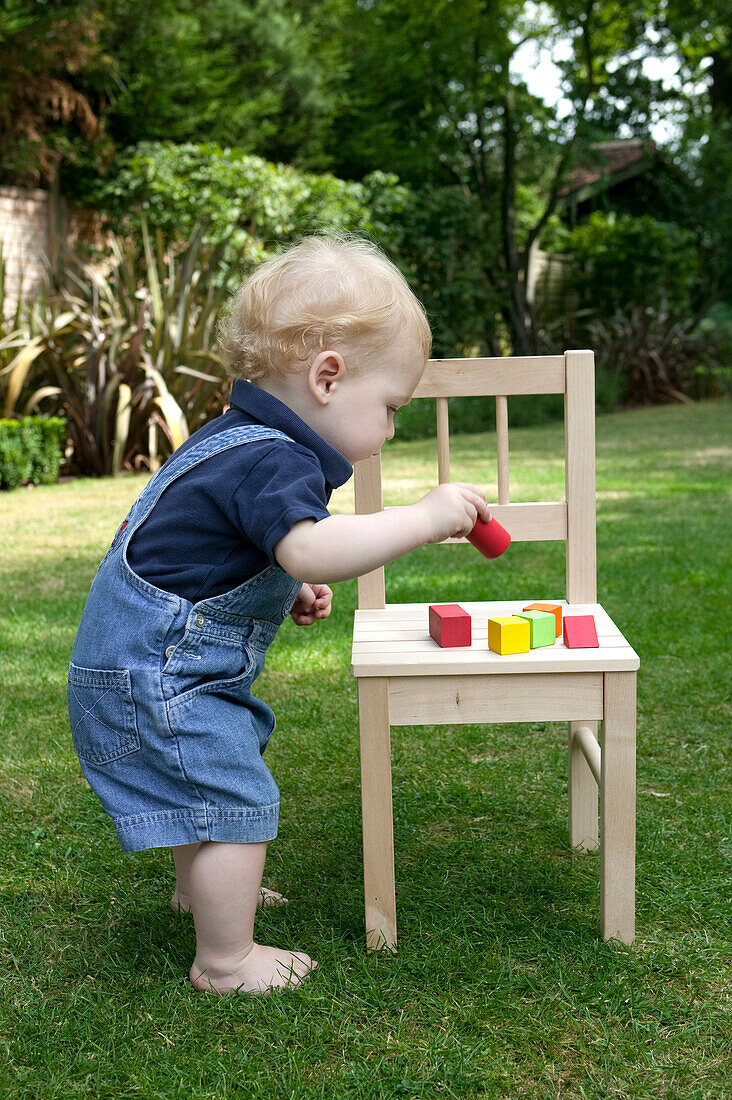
<point>217,525</point>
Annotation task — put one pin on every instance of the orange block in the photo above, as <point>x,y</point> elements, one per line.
<point>554,609</point>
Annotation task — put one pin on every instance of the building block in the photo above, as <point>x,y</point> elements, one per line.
<point>450,625</point>
<point>554,608</point>
<point>580,632</point>
<point>542,625</point>
<point>509,634</point>
<point>490,538</point>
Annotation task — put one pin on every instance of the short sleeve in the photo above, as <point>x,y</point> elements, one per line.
<point>283,486</point>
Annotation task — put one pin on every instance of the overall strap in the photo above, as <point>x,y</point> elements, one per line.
<point>180,463</point>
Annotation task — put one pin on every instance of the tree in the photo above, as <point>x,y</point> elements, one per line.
<point>255,74</point>
<point>81,80</point>
<point>434,95</point>
<point>701,36</point>
<point>44,113</point>
<point>702,40</point>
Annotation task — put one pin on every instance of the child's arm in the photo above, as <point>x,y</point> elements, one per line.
<point>341,547</point>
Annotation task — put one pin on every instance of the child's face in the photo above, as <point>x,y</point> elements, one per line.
<point>362,406</point>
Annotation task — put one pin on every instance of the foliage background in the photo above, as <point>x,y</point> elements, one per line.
<point>244,125</point>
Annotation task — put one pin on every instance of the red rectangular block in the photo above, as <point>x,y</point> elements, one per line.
<point>449,625</point>
<point>580,632</point>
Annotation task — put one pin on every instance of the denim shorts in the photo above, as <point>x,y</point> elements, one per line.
<point>163,720</point>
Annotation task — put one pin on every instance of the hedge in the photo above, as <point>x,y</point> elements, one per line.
<point>30,450</point>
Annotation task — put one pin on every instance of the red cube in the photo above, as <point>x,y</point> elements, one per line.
<point>580,632</point>
<point>449,625</point>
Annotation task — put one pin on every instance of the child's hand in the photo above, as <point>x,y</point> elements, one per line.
<point>313,602</point>
<point>453,508</point>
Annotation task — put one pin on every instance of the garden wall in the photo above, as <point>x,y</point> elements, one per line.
<point>32,225</point>
<point>25,237</point>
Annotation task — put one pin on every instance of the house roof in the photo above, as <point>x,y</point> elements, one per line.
<point>614,161</point>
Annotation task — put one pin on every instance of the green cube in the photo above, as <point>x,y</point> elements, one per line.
<point>542,625</point>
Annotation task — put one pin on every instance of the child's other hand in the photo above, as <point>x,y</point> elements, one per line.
<point>312,603</point>
<point>453,508</point>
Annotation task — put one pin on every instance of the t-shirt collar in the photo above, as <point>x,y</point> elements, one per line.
<point>269,410</point>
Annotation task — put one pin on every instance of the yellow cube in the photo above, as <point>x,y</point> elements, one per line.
<point>509,635</point>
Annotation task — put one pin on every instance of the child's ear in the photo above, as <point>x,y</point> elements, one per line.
<point>326,371</point>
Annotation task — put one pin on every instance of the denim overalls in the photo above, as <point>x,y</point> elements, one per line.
<point>167,731</point>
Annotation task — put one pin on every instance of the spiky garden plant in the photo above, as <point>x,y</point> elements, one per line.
<point>123,349</point>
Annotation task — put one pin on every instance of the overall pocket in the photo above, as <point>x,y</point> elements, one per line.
<point>102,714</point>
<point>204,664</point>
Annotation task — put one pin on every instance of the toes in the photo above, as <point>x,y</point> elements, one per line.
<point>294,970</point>
<point>269,898</point>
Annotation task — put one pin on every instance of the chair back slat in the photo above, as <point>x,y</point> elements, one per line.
<point>443,441</point>
<point>571,520</point>
<point>539,521</point>
<point>489,377</point>
<point>502,448</point>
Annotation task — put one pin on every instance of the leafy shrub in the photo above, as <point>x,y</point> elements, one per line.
<point>251,207</point>
<point>653,358</point>
<point>575,331</point>
<point>255,207</point>
<point>30,450</point>
<point>438,246</point>
<point>633,281</point>
<point>244,201</point>
<point>623,262</point>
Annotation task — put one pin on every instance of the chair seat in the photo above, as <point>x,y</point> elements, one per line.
<point>395,641</point>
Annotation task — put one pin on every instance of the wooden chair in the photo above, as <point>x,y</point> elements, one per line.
<point>404,678</point>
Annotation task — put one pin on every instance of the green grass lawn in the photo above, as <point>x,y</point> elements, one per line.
<point>501,986</point>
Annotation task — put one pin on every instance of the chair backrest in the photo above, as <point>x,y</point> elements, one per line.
<point>572,519</point>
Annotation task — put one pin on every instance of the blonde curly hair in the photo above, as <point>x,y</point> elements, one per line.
<point>338,293</point>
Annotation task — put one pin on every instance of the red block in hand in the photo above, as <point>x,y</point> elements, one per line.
<point>580,632</point>
<point>490,538</point>
<point>449,625</point>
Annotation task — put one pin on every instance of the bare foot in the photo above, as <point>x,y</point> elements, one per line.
<point>261,970</point>
<point>181,903</point>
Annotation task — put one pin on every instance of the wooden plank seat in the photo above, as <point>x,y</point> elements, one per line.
<point>396,639</point>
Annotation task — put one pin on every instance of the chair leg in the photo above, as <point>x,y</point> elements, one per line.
<point>376,803</point>
<point>583,814</point>
<point>617,808</point>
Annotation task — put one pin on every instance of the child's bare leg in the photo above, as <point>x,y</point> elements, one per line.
<point>181,900</point>
<point>182,858</point>
<point>224,882</point>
